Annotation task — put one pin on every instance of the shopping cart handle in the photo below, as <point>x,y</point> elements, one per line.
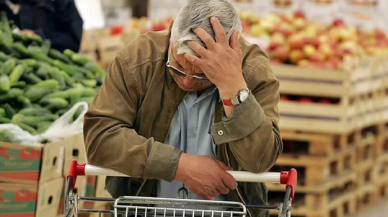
<point>286,178</point>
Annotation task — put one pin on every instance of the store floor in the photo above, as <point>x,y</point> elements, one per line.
<point>380,209</point>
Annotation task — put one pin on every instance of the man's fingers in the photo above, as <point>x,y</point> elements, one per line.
<point>219,31</point>
<point>234,43</point>
<point>194,60</point>
<point>229,181</point>
<point>223,166</point>
<point>205,37</point>
<point>201,51</point>
<point>223,189</point>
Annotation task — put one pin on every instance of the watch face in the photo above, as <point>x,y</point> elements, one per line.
<point>243,95</point>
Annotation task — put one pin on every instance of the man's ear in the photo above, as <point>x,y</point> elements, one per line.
<point>171,24</point>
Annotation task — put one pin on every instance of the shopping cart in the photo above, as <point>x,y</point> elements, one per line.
<point>166,207</point>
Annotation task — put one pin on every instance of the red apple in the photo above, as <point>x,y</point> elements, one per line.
<point>296,41</point>
<point>326,50</point>
<point>338,22</point>
<point>277,40</point>
<point>303,63</point>
<point>309,50</point>
<point>281,53</point>
<point>299,14</point>
<point>317,57</point>
<point>296,55</point>
<point>276,61</point>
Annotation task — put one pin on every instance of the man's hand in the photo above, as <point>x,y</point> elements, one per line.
<point>221,61</point>
<point>204,176</point>
<point>26,32</point>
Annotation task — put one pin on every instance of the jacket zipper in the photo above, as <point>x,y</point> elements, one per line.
<point>237,189</point>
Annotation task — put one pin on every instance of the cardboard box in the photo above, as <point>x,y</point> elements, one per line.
<point>75,150</point>
<point>23,200</point>
<point>108,47</point>
<point>29,164</point>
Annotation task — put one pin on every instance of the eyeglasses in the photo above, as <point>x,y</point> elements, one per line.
<point>199,78</point>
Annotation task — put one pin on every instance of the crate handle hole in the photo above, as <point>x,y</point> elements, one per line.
<point>50,200</point>
<point>54,161</point>
<point>75,152</point>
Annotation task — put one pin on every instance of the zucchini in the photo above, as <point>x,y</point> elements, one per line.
<point>8,66</point>
<point>50,83</point>
<point>4,120</point>
<point>19,84</point>
<point>55,104</point>
<point>36,93</point>
<point>69,53</point>
<point>80,59</point>
<point>24,101</point>
<point>46,45</point>
<point>26,127</point>
<point>89,83</point>
<point>5,84</point>
<point>34,111</point>
<point>9,111</point>
<point>57,55</point>
<point>91,66</point>
<point>31,78</point>
<point>57,75</point>
<point>2,112</point>
<point>16,73</point>
<point>33,121</point>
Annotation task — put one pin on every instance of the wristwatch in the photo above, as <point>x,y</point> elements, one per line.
<point>240,98</point>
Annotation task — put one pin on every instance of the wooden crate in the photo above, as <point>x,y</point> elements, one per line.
<point>345,86</point>
<point>318,171</point>
<point>316,144</point>
<point>339,201</point>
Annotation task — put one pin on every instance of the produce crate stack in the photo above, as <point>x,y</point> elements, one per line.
<point>334,133</point>
<point>39,84</point>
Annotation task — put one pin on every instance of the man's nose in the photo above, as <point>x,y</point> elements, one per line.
<point>187,81</point>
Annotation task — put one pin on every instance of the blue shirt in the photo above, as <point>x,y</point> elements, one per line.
<point>190,132</point>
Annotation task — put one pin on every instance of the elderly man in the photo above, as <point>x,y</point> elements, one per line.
<point>180,108</point>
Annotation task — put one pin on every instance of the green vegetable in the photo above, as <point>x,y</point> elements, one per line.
<point>25,127</point>
<point>33,121</point>
<point>8,66</point>
<point>14,93</point>
<point>24,101</point>
<point>69,53</point>
<point>69,80</point>
<point>31,78</point>
<point>79,59</point>
<point>5,84</point>
<point>31,63</point>
<point>88,100</point>
<point>4,120</point>
<point>16,73</point>
<point>36,93</point>
<point>46,45</point>
<point>4,57</point>
<point>7,34</point>
<point>55,54</point>
<point>50,83</point>
<point>91,66</point>
<point>35,49</point>
<point>2,112</point>
<point>56,104</point>
<point>34,111</point>
<point>9,111</point>
<point>57,75</point>
<point>89,83</point>
<point>19,84</point>
<point>43,126</point>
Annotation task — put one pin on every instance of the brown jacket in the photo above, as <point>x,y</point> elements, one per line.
<point>130,119</point>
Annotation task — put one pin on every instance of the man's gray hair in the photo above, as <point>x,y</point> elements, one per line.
<point>197,13</point>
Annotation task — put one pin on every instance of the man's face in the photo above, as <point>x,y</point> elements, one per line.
<point>189,84</point>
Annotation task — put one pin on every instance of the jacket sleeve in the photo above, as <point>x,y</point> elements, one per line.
<point>110,140</point>
<point>69,27</point>
<point>252,129</point>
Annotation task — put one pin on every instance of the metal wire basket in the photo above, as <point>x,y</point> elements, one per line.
<point>166,207</point>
